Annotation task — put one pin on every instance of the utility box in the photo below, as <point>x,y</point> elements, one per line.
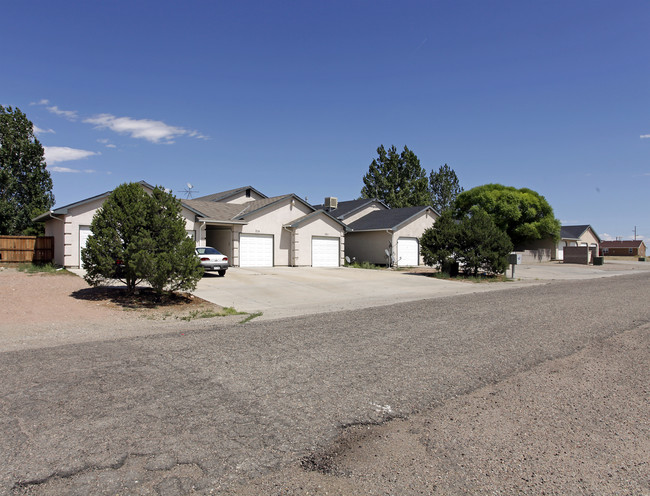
<point>514,258</point>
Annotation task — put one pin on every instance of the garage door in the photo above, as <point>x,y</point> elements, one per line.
<point>256,250</point>
<point>84,234</point>
<point>407,252</point>
<point>325,252</point>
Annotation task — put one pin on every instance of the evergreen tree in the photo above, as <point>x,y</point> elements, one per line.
<point>473,241</point>
<point>139,237</point>
<point>444,188</point>
<point>25,183</point>
<point>397,179</point>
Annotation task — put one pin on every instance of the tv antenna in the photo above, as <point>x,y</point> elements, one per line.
<point>188,191</point>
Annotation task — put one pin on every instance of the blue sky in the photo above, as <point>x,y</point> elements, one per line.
<point>295,97</point>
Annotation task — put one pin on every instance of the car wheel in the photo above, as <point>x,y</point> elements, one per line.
<point>222,273</point>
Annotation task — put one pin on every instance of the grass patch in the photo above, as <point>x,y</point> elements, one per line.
<point>364,265</point>
<point>474,279</point>
<point>209,313</point>
<point>250,317</point>
<point>32,268</point>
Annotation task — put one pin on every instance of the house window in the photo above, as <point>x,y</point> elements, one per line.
<point>631,250</point>
<point>605,250</point>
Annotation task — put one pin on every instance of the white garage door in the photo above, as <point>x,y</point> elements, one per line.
<point>256,250</point>
<point>324,252</point>
<point>407,252</point>
<point>84,234</point>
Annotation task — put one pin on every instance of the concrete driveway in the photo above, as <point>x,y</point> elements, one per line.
<point>290,291</point>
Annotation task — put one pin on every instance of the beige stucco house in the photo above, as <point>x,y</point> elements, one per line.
<point>389,236</point>
<point>582,235</point>
<point>249,228</point>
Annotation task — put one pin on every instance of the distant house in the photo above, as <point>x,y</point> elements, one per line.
<point>544,250</point>
<point>582,235</point>
<point>631,248</point>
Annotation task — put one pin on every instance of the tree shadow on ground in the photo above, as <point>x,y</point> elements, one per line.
<point>142,298</point>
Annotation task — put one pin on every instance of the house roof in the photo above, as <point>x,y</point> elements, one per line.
<point>231,212</point>
<point>64,209</point>
<point>575,232</point>
<point>348,207</point>
<point>389,219</point>
<point>215,210</point>
<point>304,218</point>
<point>622,244</point>
<point>224,195</point>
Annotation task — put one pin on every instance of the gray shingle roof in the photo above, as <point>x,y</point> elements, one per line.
<point>222,195</point>
<point>574,232</point>
<point>386,219</point>
<point>215,210</point>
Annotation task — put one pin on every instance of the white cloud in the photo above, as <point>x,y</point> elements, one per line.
<point>68,114</point>
<point>150,130</point>
<point>56,154</point>
<point>40,102</point>
<point>607,237</point>
<point>72,171</point>
<point>645,136</point>
<point>38,130</point>
<point>111,145</point>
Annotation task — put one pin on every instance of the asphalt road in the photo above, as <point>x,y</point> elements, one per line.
<point>206,410</point>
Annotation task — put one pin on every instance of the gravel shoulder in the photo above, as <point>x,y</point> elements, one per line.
<point>43,309</point>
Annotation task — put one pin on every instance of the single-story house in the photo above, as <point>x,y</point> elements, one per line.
<point>582,235</point>
<point>381,235</point>
<point>389,236</point>
<point>247,226</point>
<point>631,248</point>
<point>544,250</point>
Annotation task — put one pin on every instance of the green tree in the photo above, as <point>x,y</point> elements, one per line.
<point>444,188</point>
<point>523,214</point>
<point>25,183</point>
<point>439,243</point>
<point>397,179</point>
<point>139,237</point>
<point>473,241</point>
<point>482,245</point>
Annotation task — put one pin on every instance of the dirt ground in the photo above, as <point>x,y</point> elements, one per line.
<point>50,309</point>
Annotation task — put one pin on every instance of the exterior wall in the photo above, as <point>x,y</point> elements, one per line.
<point>537,256</point>
<point>368,246</point>
<point>362,213</point>
<point>242,198</point>
<point>541,250</point>
<point>80,216</point>
<point>625,252</point>
<point>301,239</point>
<point>414,229</point>
<point>56,228</point>
<point>578,255</point>
<point>271,221</point>
<point>589,238</point>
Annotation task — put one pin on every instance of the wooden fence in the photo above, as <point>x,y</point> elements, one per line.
<point>26,249</point>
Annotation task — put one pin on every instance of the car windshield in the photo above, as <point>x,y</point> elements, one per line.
<point>207,250</point>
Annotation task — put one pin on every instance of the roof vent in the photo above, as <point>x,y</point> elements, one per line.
<point>331,203</point>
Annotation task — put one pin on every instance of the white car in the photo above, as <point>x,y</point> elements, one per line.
<point>212,259</point>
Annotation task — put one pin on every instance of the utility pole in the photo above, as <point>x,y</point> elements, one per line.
<point>634,233</point>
